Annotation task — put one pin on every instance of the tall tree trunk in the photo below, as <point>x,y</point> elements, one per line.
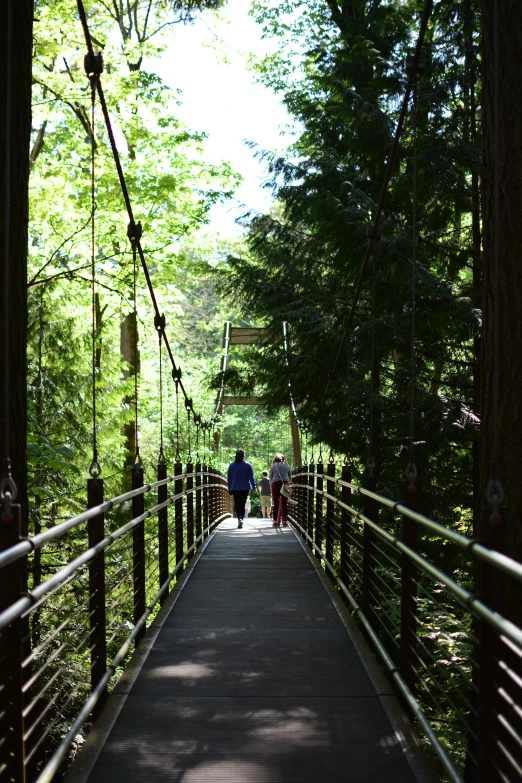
<point>509,463</point>
<point>19,112</point>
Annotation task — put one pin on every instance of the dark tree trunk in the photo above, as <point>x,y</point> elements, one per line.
<point>508,534</point>
<point>20,127</point>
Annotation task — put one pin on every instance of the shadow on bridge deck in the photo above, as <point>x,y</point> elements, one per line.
<point>250,676</point>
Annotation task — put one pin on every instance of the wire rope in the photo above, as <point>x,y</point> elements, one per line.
<point>124,189</point>
<point>177,456</point>
<point>160,325</point>
<point>494,489</point>
<point>414,69</point>
<point>93,65</point>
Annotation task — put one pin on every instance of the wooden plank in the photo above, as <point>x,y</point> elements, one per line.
<point>249,335</point>
<point>260,588</point>
<point>243,400</point>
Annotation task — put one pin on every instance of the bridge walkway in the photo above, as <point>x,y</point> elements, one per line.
<point>249,676</point>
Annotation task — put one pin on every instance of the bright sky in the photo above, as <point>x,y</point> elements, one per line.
<point>208,62</point>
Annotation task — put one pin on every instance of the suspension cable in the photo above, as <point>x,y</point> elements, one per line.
<point>160,326</point>
<point>93,65</point>
<point>8,488</point>
<point>348,395</point>
<point>494,489</point>
<point>123,186</point>
<point>178,455</point>
<point>188,406</point>
<point>134,232</point>
<point>413,69</point>
<point>374,237</point>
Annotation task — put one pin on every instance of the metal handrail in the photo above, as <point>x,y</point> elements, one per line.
<point>474,545</point>
<point>392,668</point>
<point>25,603</point>
<point>59,755</point>
<point>31,543</point>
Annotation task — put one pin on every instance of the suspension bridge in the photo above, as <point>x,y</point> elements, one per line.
<point>164,644</point>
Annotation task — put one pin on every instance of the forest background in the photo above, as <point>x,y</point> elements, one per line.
<point>339,69</point>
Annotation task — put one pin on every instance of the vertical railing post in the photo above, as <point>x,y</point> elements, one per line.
<point>370,510</point>
<point>97,611</point>
<point>11,653</point>
<point>163,531</point>
<point>302,499</point>
<point>198,500</point>
<point>178,512</point>
<point>346,524</point>
<point>310,506</point>
<point>205,498</point>
<point>319,508</point>
<point>211,495</point>
<point>409,573</point>
<point>330,512</point>
<point>138,550</point>
<point>490,678</point>
<point>190,505</point>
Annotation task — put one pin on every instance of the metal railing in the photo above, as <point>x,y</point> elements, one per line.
<point>429,600</point>
<point>65,638</point>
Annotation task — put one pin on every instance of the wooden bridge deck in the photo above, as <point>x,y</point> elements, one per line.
<point>252,677</point>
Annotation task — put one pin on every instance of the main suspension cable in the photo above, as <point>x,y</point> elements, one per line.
<point>124,189</point>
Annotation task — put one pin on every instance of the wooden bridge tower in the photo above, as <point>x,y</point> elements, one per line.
<point>250,335</point>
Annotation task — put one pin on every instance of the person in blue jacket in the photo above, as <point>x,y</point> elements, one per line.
<point>240,481</point>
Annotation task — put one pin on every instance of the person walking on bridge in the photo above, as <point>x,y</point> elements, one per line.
<point>265,495</point>
<point>279,474</point>
<point>240,481</point>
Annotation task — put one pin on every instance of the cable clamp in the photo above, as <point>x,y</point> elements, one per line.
<point>134,232</point>
<point>188,404</point>
<point>412,67</point>
<point>370,466</point>
<point>159,322</point>
<point>411,475</point>
<point>176,374</point>
<point>495,498</point>
<point>94,468</point>
<point>8,493</point>
<point>373,233</point>
<point>138,464</point>
<point>93,65</point>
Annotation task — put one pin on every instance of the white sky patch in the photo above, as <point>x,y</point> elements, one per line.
<point>208,63</point>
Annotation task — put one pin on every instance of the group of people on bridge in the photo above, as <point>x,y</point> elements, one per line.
<point>272,488</point>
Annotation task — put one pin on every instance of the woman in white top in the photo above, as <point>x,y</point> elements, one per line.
<point>279,474</point>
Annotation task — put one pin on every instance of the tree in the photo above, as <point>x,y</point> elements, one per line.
<point>344,64</point>
<point>501,420</point>
<point>15,108</point>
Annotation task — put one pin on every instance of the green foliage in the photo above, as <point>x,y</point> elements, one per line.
<point>340,72</point>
